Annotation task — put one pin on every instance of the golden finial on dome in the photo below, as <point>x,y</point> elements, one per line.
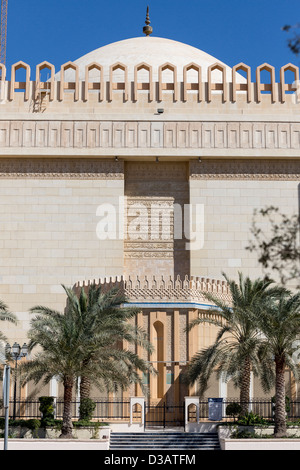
<point>147,29</point>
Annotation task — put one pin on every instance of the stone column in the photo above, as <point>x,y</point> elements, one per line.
<point>192,342</point>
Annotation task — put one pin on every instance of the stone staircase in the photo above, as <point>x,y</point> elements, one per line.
<point>164,441</point>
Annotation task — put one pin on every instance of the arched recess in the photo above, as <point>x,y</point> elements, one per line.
<point>192,413</point>
<point>69,85</point>
<point>14,85</point>
<point>288,86</point>
<point>192,86</point>
<point>192,408</point>
<point>137,409</point>
<point>266,86</point>
<point>158,390</point>
<point>167,86</point>
<point>99,85</point>
<point>118,85</point>
<point>241,86</point>
<point>49,84</point>
<point>216,86</point>
<point>144,85</point>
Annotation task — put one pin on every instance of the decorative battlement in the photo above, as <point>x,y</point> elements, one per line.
<point>156,87</point>
<point>144,290</point>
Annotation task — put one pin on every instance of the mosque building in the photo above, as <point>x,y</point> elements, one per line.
<point>140,165</point>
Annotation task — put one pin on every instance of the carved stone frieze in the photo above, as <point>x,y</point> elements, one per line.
<point>245,169</point>
<point>72,134</point>
<point>60,168</point>
<point>149,227</point>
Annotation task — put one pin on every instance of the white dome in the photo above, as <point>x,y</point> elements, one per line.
<point>153,51</point>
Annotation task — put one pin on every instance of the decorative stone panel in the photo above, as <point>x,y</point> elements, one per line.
<point>157,135</point>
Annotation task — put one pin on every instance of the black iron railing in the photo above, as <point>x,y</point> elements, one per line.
<point>105,409</point>
<point>162,414</point>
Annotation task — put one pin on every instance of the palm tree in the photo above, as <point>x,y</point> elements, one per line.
<point>105,324</point>
<point>60,352</point>
<point>235,350</point>
<point>6,315</point>
<point>279,320</point>
<point>74,345</point>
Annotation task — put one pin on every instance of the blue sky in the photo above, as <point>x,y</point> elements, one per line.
<point>233,31</point>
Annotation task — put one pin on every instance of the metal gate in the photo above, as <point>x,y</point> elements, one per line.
<point>164,415</point>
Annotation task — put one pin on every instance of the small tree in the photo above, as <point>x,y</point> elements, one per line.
<point>47,410</point>
<point>294,40</point>
<point>86,409</point>
<point>278,246</point>
<point>233,409</point>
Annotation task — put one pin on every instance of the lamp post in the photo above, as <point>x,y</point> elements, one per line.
<point>16,353</point>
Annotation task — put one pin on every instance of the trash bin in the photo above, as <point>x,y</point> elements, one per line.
<point>215,409</point>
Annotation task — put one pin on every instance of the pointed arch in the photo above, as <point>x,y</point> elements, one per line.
<point>118,85</point>
<point>44,86</point>
<point>14,85</point>
<point>288,86</point>
<point>167,86</point>
<point>143,86</point>
<point>216,86</point>
<point>266,86</point>
<point>192,86</point>
<point>69,85</point>
<point>241,86</point>
<point>99,85</point>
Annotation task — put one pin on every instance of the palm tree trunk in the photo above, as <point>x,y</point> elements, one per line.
<point>280,413</point>
<point>245,387</point>
<point>85,387</point>
<point>67,427</point>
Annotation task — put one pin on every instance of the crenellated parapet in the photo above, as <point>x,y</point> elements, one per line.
<point>190,290</point>
<point>118,78</point>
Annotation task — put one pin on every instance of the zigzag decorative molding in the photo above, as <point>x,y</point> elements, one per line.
<point>190,290</point>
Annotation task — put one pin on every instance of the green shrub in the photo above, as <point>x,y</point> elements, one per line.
<point>250,419</point>
<point>34,425</point>
<point>47,410</point>
<point>237,434</point>
<point>86,409</point>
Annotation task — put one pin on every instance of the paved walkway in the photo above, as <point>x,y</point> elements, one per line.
<point>54,444</point>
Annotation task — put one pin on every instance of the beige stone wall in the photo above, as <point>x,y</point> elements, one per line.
<point>229,199</point>
<point>48,238</point>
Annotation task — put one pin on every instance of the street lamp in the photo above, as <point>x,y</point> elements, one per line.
<point>16,353</point>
